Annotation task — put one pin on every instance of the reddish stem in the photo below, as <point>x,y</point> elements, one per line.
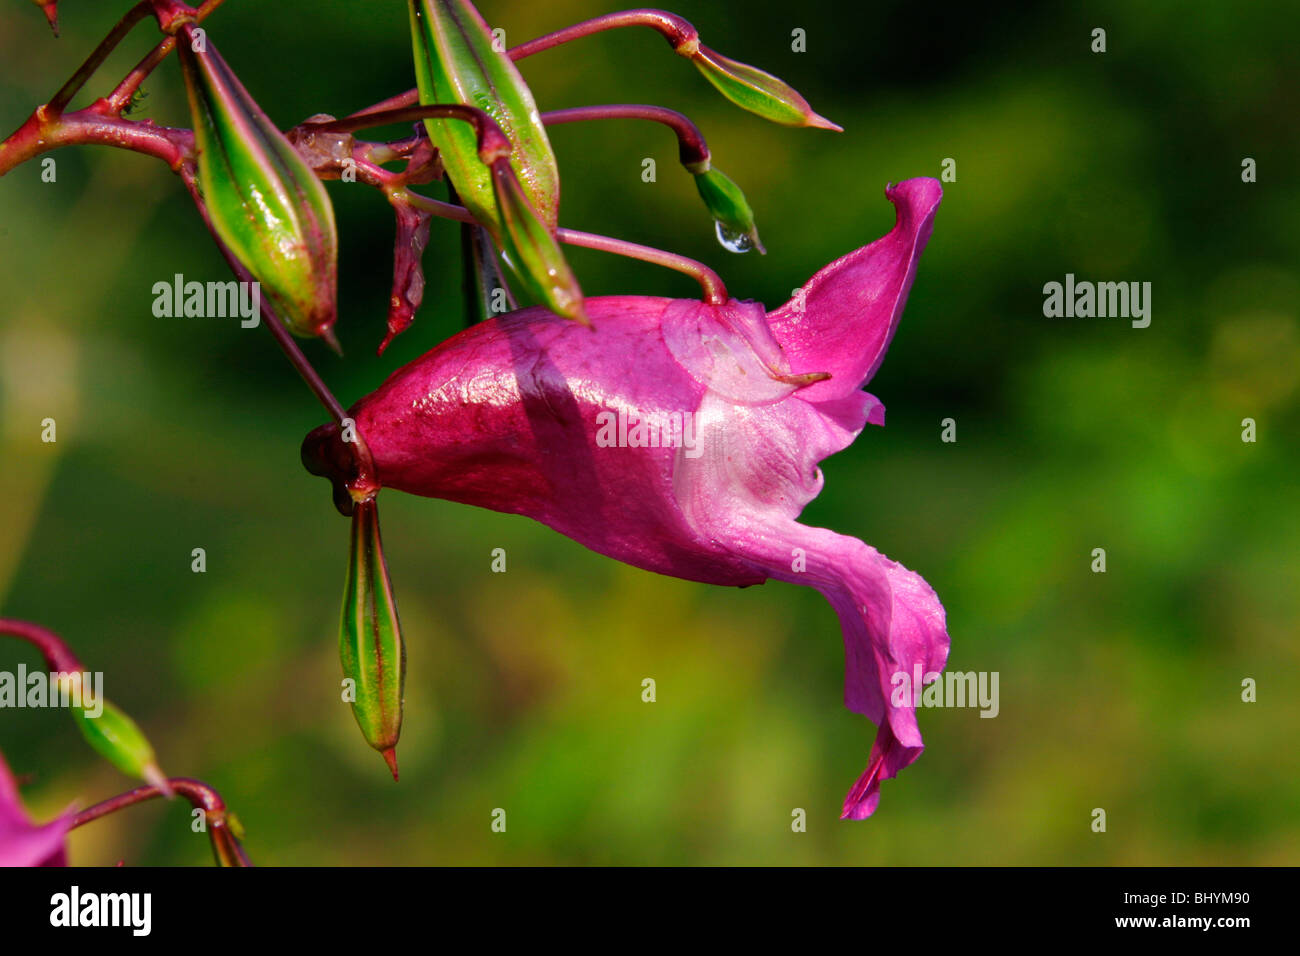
<point>284,338</point>
<point>492,141</point>
<point>225,845</point>
<point>715,293</point>
<point>679,33</point>
<point>101,123</point>
<point>95,125</point>
<point>93,62</point>
<point>691,146</point>
<point>121,96</point>
<point>59,658</point>
<point>676,30</point>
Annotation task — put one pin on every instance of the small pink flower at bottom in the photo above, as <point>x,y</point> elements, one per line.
<point>23,843</point>
<point>684,437</point>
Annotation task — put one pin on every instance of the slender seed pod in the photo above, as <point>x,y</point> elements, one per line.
<point>456,62</point>
<point>370,637</point>
<point>516,199</point>
<point>753,89</point>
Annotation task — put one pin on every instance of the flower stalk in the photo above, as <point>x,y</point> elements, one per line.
<point>224,829</point>
<point>748,87</point>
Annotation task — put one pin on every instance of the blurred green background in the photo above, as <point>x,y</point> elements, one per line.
<point>1119,690</point>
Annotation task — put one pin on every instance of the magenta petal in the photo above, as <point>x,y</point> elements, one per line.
<point>757,472</point>
<point>847,313</point>
<point>23,843</point>
<point>888,757</point>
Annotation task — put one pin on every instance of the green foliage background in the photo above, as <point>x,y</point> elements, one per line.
<point>1118,690</point>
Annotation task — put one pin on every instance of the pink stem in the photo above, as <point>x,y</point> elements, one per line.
<point>225,844</point>
<point>121,96</point>
<point>196,792</point>
<point>715,293</point>
<point>95,125</point>
<point>93,62</point>
<point>101,122</point>
<point>677,31</point>
<point>59,658</point>
<point>492,142</point>
<point>691,146</point>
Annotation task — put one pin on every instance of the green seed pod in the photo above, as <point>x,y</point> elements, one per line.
<point>731,213</point>
<point>532,251</point>
<point>370,637</point>
<point>456,62</point>
<point>755,90</point>
<point>263,200</point>
<point>118,739</point>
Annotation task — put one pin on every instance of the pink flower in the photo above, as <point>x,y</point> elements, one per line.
<point>23,843</point>
<point>683,438</point>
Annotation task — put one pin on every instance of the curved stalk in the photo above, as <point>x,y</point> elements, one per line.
<point>715,292</point>
<point>691,147</point>
<point>676,30</point>
<point>225,842</point>
<point>59,658</point>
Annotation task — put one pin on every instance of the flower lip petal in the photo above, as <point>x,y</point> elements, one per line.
<point>844,317</point>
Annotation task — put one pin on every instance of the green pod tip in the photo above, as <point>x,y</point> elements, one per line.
<point>532,250</point>
<point>755,90</point>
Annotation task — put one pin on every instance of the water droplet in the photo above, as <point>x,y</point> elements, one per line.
<point>731,240</point>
